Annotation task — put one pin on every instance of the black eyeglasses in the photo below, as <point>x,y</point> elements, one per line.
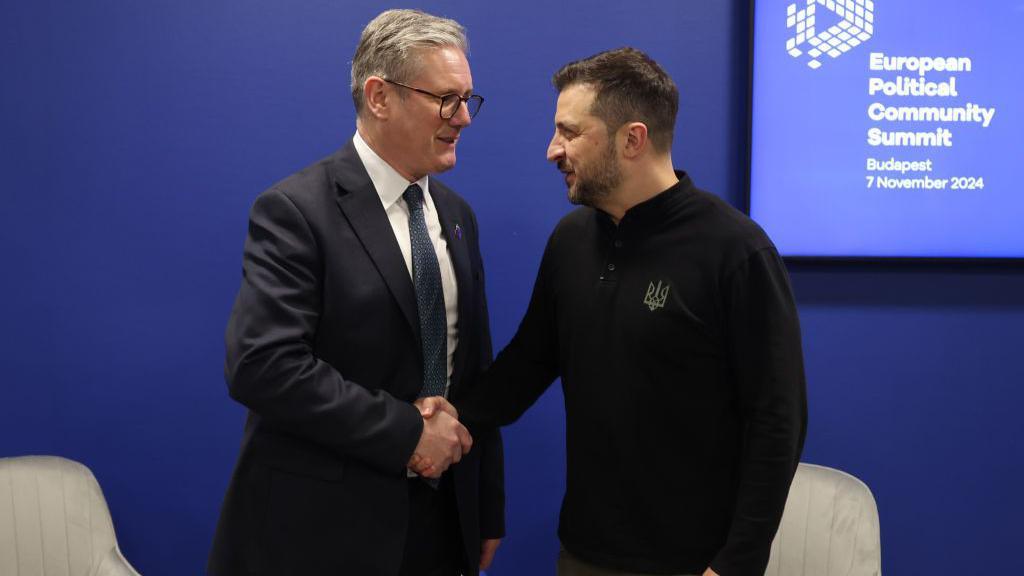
<point>449,102</point>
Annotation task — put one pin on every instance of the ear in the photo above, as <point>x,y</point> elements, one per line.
<point>635,139</point>
<point>376,98</point>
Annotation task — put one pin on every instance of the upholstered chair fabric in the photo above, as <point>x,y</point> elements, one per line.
<point>829,527</point>
<point>54,521</point>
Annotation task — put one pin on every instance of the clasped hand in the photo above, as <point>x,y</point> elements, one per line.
<point>444,440</point>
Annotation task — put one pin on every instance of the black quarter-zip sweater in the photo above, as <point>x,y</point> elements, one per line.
<point>678,345</point>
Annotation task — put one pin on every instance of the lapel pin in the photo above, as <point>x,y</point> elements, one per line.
<point>458,231</point>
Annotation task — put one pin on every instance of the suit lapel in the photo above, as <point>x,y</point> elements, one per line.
<point>360,203</point>
<point>455,233</point>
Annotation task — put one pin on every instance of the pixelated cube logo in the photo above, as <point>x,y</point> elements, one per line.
<point>844,25</point>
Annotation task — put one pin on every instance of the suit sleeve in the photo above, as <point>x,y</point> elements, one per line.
<point>767,364</point>
<point>271,367</point>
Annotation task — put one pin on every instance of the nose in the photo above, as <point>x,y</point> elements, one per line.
<point>556,151</point>
<point>461,119</point>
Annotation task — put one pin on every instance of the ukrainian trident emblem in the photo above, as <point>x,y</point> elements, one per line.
<point>656,296</point>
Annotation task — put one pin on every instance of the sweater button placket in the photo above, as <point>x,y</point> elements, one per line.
<point>608,274</point>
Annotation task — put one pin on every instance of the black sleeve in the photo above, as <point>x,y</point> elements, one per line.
<point>271,367</point>
<point>488,439</point>
<point>767,366</point>
<point>492,483</point>
<point>524,368</point>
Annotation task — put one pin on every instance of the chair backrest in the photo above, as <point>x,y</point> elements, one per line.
<point>829,527</point>
<point>54,520</point>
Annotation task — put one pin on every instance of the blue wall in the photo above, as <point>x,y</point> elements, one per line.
<point>135,135</point>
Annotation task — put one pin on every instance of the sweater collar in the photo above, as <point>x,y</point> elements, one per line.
<point>655,209</point>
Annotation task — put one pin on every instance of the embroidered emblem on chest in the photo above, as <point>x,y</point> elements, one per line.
<point>656,296</point>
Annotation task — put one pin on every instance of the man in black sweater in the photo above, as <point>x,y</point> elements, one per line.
<point>669,318</point>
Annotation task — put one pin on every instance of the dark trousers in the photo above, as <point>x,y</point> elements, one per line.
<point>569,565</point>
<point>433,545</point>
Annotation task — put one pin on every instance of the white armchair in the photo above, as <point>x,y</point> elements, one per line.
<point>54,521</point>
<point>829,527</point>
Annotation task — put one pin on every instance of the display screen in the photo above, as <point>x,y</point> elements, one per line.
<point>889,128</point>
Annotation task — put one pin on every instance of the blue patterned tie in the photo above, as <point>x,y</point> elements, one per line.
<point>429,298</point>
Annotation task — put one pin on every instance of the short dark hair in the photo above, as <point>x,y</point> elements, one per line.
<point>631,87</point>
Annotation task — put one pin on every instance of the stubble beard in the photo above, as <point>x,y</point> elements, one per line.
<point>590,190</point>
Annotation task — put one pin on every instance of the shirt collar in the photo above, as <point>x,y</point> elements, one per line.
<point>659,207</point>
<point>390,185</point>
<point>651,212</point>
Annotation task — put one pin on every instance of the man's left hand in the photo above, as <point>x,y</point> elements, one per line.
<point>487,549</point>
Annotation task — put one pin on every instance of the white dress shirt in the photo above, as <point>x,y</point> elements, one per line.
<point>390,185</point>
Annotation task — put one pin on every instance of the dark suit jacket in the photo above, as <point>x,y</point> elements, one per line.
<point>323,348</point>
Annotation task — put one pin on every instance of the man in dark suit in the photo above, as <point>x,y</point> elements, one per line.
<point>362,291</point>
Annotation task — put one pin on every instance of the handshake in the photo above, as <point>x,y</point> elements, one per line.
<point>444,440</point>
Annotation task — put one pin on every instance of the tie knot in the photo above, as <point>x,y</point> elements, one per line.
<point>413,196</point>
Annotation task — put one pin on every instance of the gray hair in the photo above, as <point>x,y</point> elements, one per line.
<point>389,44</point>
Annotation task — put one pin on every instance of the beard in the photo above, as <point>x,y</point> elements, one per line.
<point>591,187</point>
